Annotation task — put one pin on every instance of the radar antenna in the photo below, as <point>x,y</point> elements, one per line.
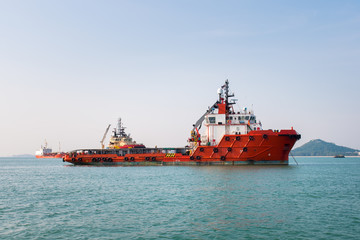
<point>121,129</point>
<point>227,95</point>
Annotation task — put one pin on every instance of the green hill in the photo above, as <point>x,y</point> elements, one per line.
<point>319,147</point>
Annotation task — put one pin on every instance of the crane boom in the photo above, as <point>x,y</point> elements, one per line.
<point>221,90</point>
<point>199,122</point>
<point>102,140</point>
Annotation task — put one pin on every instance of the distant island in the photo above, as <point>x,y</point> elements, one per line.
<point>319,147</point>
<point>23,156</point>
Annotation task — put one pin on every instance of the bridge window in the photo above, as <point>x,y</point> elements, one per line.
<point>212,119</point>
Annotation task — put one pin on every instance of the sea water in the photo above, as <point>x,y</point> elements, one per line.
<point>49,199</point>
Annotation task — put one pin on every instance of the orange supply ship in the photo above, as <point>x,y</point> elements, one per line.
<point>46,152</point>
<point>230,138</point>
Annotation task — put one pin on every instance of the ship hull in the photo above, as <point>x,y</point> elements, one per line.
<point>263,147</point>
<point>187,163</point>
<point>51,155</point>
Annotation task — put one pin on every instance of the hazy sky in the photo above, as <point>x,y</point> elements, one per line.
<point>70,68</point>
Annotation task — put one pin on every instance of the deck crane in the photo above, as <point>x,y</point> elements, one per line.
<point>224,96</point>
<point>224,90</point>
<point>102,140</point>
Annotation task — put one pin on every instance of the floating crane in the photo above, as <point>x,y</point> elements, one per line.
<point>102,140</point>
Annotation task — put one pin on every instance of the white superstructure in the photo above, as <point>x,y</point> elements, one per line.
<point>43,150</point>
<point>234,123</point>
<point>221,119</point>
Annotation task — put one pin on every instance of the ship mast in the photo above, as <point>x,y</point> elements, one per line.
<point>221,90</point>
<point>120,130</point>
<point>227,96</point>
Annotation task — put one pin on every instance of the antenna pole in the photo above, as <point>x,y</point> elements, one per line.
<point>227,92</point>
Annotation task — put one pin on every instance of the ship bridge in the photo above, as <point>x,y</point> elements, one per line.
<point>221,119</point>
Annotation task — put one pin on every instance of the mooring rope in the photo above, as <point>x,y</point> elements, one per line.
<point>294,158</point>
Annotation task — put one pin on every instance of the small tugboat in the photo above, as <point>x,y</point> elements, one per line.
<point>230,138</point>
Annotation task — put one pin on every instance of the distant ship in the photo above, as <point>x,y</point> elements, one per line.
<point>230,138</point>
<point>46,152</point>
<point>120,139</point>
<point>339,156</point>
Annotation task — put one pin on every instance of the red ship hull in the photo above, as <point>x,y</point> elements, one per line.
<point>51,155</point>
<point>256,147</point>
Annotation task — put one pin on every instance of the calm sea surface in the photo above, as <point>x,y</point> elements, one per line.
<point>49,199</point>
